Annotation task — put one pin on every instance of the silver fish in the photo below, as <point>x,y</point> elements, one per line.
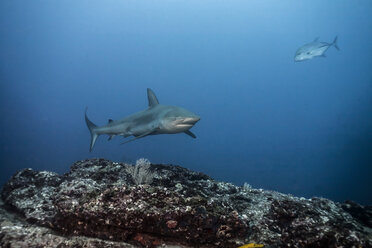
<point>314,49</point>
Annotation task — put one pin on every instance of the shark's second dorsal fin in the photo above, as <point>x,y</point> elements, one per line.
<point>109,121</point>
<point>152,98</point>
<point>316,39</point>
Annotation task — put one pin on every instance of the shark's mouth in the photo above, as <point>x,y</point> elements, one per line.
<point>185,125</point>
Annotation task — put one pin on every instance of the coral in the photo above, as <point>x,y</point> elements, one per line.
<point>100,203</point>
<point>140,172</point>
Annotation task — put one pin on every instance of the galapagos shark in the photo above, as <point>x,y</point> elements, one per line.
<point>314,49</point>
<point>156,119</point>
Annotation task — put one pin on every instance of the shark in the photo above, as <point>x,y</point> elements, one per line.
<point>314,49</point>
<point>156,119</point>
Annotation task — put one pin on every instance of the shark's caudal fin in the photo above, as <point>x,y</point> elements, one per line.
<point>334,43</point>
<point>91,127</point>
<point>152,98</point>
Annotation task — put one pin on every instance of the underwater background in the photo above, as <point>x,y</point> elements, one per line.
<point>301,128</point>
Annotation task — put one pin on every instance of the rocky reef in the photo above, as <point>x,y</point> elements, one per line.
<point>100,203</point>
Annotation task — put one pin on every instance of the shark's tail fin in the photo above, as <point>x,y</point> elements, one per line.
<point>334,43</point>
<point>93,133</point>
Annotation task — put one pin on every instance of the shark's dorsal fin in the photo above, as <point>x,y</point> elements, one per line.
<point>316,39</point>
<point>110,120</point>
<point>152,98</point>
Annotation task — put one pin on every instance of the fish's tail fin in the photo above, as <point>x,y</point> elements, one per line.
<point>334,43</point>
<point>93,133</point>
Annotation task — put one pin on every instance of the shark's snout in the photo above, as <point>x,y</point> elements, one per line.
<point>187,122</point>
<point>191,120</point>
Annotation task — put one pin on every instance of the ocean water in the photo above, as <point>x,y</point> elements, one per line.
<point>300,128</point>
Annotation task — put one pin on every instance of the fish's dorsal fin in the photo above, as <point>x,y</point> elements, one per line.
<point>152,98</point>
<point>316,39</point>
<point>110,120</point>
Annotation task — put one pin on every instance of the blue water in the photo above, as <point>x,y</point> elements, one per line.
<point>300,128</point>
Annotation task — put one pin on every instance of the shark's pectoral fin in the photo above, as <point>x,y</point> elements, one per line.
<point>189,133</point>
<point>140,136</point>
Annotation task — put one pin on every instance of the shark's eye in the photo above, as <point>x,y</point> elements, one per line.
<point>308,53</point>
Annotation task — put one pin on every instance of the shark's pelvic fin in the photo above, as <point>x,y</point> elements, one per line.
<point>188,132</point>
<point>152,98</point>
<point>138,137</point>
<point>92,128</point>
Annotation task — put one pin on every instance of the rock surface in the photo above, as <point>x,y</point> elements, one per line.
<point>100,203</point>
